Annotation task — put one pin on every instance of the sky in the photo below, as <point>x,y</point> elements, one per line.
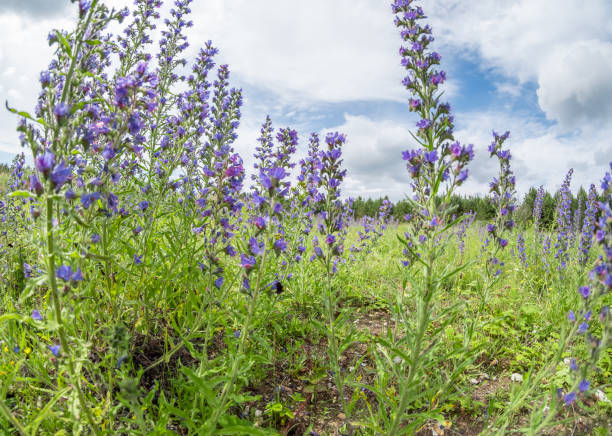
<point>539,68</point>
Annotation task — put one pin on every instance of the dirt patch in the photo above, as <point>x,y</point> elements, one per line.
<point>375,322</point>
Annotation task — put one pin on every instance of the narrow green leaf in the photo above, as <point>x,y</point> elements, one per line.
<point>21,193</point>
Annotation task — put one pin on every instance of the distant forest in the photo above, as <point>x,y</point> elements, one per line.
<point>482,206</point>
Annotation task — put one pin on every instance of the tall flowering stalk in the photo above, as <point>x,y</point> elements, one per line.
<point>537,207</point>
<point>462,232</point>
<point>436,168</point>
<point>54,139</point>
<point>263,151</point>
<point>332,223</point>
<point>265,246</point>
<point>16,213</point>
<point>306,203</point>
<point>521,250</point>
<point>502,190</point>
<point>588,226</point>
<point>576,223</point>
<point>594,295</point>
<point>537,233</point>
<point>564,222</point>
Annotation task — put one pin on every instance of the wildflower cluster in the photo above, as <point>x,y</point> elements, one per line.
<point>269,201</point>
<point>372,229</point>
<point>594,296</point>
<point>463,228</point>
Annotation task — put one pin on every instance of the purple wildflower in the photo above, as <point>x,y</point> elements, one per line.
<point>55,349</point>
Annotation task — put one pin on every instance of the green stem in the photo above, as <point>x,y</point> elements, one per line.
<point>8,415</point>
<point>244,333</point>
<point>332,343</point>
<point>52,282</point>
<point>415,352</point>
<point>108,270</point>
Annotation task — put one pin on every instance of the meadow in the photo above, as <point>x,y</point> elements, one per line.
<point>150,286</point>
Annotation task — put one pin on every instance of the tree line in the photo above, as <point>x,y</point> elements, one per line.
<point>481,205</point>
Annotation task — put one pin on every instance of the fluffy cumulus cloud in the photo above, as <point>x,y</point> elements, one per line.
<point>565,46</point>
<point>575,83</point>
<point>541,153</point>
<point>24,52</point>
<point>317,50</point>
<point>372,156</point>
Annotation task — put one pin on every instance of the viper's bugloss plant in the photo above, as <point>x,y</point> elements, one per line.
<point>521,250</point>
<point>463,229</point>
<point>59,152</point>
<point>593,320</point>
<point>588,226</point>
<point>328,242</point>
<point>436,168</point>
<point>564,222</point>
<point>539,259</point>
<point>577,219</point>
<point>502,191</point>
<point>537,207</point>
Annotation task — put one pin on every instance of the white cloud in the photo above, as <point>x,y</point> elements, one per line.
<point>509,88</point>
<point>372,156</point>
<point>36,8</point>
<point>576,85</point>
<point>542,154</point>
<point>9,72</point>
<point>23,54</point>
<point>316,50</point>
<point>562,45</point>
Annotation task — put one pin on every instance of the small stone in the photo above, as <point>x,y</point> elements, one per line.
<point>516,377</point>
<point>601,396</point>
<point>474,381</point>
<point>397,360</point>
<point>258,413</point>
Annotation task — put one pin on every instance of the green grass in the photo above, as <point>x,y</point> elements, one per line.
<point>284,381</point>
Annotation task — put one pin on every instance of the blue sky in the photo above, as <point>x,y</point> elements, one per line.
<point>539,68</point>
